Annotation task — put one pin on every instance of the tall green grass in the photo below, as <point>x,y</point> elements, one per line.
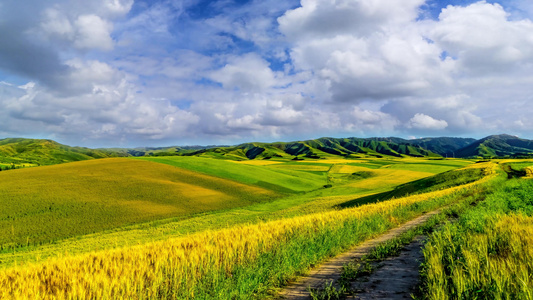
<point>488,252</point>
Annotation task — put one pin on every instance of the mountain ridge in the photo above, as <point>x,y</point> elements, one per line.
<point>22,151</point>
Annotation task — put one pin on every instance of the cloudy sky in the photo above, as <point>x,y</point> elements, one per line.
<point>180,72</point>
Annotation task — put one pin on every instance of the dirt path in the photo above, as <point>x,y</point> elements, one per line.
<point>394,278</point>
<point>331,270</point>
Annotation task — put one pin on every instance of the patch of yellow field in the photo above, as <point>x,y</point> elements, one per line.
<point>302,167</point>
<point>257,162</point>
<point>389,177</point>
<point>150,208</point>
<point>335,161</point>
<point>347,169</point>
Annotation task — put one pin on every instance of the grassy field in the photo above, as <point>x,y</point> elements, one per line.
<point>282,180</point>
<point>245,227</point>
<point>487,253</point>
<point>44,204</point>
<point>241,262</point>
<point>88,188</point>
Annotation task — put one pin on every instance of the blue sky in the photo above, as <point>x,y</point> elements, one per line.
<point>176,72</point>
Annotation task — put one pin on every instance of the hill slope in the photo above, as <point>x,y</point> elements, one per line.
<point>39,205</point>
<point>317,148</point>
<point>445,146</point>
<point>497,145</point>
<point>45,152</point>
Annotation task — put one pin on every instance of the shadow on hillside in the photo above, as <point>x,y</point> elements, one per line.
<point>366,200</point>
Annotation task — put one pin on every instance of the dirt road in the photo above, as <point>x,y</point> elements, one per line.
<point>331,270</point>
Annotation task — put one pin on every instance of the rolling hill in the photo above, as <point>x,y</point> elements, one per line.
<point>445,146</point>
<point>32,152</point>
<point>497,146</point>
<point>318,148</point>
<point>19,151</point>
<point>39,205</point>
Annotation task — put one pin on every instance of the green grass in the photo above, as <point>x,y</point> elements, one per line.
<point>280,180</point>
<point>429,184</point>
<point>45,152</point>
<point>487,253</point>
<point>299,251</point>
<point>158,227</point>
<point>40,205</point>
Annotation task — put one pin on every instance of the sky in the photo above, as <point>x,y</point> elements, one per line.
<point>127,73</point>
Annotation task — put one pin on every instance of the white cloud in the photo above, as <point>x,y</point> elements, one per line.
<point>317,19</point>
<point>93,33</point>
<point>115,70</point>
<point>118,7</point>
<point>483,39</point>
<point>364,49</point>
<point>247,73</point>
<point>422,121</point>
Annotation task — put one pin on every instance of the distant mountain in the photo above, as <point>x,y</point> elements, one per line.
<point>318,148</point>
<point>45,152</point>
<point>497,146</point>
<point>445,146</point>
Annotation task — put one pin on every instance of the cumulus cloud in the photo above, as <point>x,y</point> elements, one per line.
<point>365,49</point>
<point>189,72</point>
<point>483,39</point>
<point>421,121</point>
<point>247,73</point>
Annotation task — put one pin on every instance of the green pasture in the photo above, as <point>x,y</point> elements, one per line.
<point>129,201</point>
<point>44,204</point>
<point>277,179</point>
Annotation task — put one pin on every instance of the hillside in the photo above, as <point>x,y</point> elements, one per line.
<point>318,148</point>
<point>32,152</point>
<point>19,151</point>
<point>39,205</point>
<point>445,146</point>
<point>497,145</point>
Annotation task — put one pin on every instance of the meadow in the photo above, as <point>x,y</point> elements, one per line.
<point>190,227</point>
<point>241,262</point>
<point>108,203</point>
<point>487,252</point>
<point>45,204</point>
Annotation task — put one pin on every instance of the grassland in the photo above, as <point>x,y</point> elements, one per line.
<point>487,253</point>
<point>206,228</point>
<point>282,180</point>
<point>40,205</point>
<point>33,152</point>
<point>118,186</point>
<point>241,262</point>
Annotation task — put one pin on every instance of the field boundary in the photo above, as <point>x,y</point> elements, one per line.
<point>330,271</point>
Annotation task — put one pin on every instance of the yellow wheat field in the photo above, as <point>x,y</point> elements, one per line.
<point>158,269</point>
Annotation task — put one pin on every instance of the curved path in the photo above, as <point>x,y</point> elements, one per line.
<point>331,270</point>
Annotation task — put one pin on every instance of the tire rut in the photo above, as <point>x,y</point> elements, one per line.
<point>330,271</point>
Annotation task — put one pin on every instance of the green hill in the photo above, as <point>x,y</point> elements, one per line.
<point>497,146</point>
<point>318,148</point>
<point>19,151</point>
<point>445,146</point>
<point>32,152</point>
<point>39,205</point>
